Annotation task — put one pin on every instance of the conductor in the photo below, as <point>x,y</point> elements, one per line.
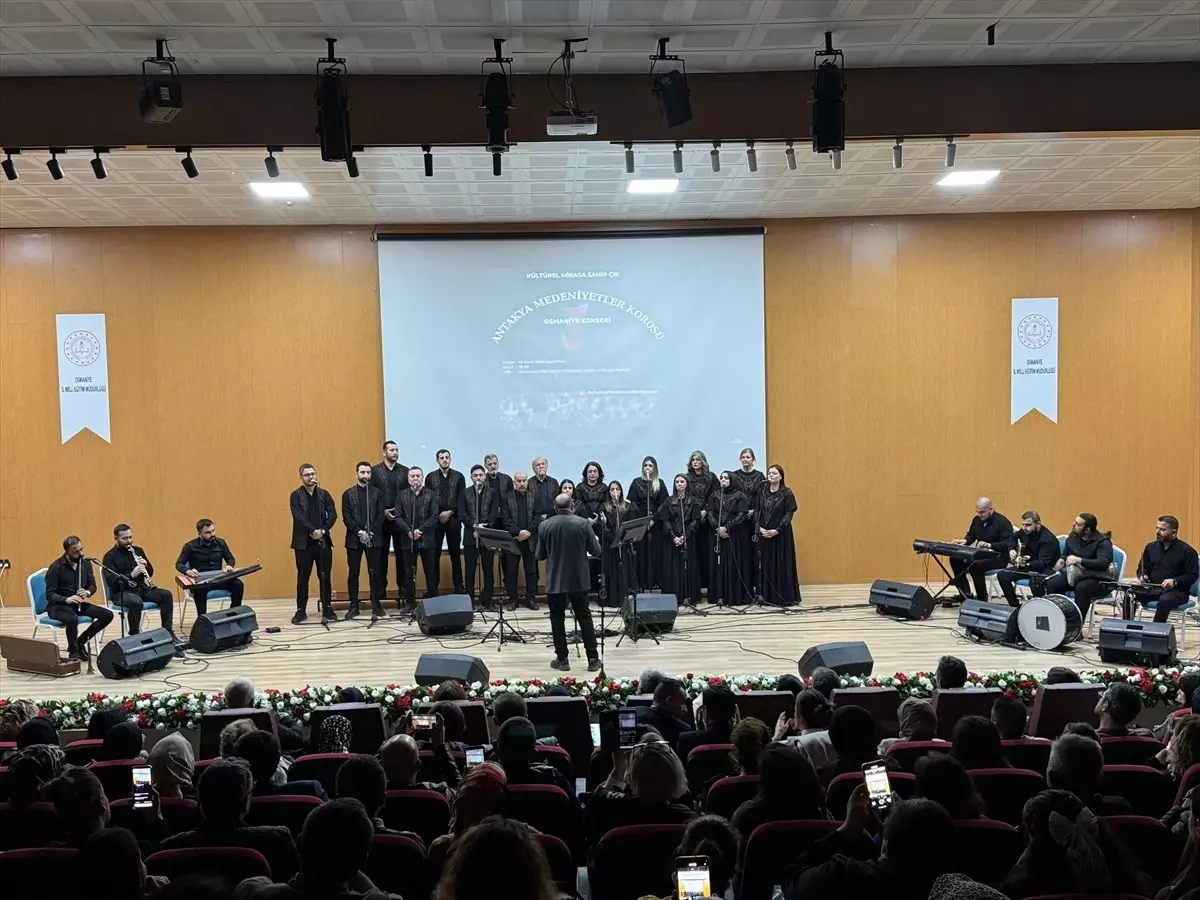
<point>564,542</point>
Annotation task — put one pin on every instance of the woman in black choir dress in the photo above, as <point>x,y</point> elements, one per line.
<point>729,577</point>
<point>590,494</point>
<point>702,483</point>
<point>776,506</point>
<point>616,564</point>
<point>567,486</point>
<point>646,495</point>
<point>750,482</point>
<point>681,520</point>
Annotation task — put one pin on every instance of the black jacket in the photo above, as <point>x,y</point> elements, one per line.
<point>447,489</point>
<point>274,842</point>
<point>523,510</point>
<point>997,531</point>
<point>1096,551</point>
<point>564,541</point>
<point>1041,548</point>
<point>310,513</point>
<point>362,510</point>
<point>415,512</point>
<point>120,561</point>
<point>477,508</point>
<point>1177,561</point>
<point>204,557</point>
<point>62,581</point>
<point>391,481</point>
<point>665,724</point>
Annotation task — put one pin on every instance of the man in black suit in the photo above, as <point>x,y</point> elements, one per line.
<point>313,514</point>
<point>715,718</point>
<point>668,715</point>
<point>564,542</point>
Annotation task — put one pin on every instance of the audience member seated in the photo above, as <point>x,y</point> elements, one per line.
<point>336,735</point>
<point>1186,885</point>
<point>1083,729</point>
<point>918,721</point>
<point>362,778</point>
<point>511,705</point>
<point>645,788</point>
<point>401,760</point>
<point>454,727</point>
<point>240,694</point>
<point>172,763</point>
<point>943,780</point>
<point>105,720</point>
<point>123,741</point>
<point>113,856</point>
<point>12,716</point>
<point>481,794</point>
<point>668,714</point>
<point>749,738</point>
<point>449,690</point>
<point>649,681</point>
<point>497,847</point>
<point>712,838</point>
<point>1062,675</point>
<point>232,732</point>
<point>517,757</point>
<point>1010,715</point>
<point>79,803</point>
<point>1183,751</point>
<point>224,794</point>
<point>32,768</point>
<point>335,844</point>
<point>790,683</point>
<point>1117,707</point>
<point>852,733</point>
<point>444,740</point>
<point>847,865</point>
<point>351,695</point>
<point>261,750</point>
<point>714,720</point>
<point>951,673</point>
<point>1071,851</point>
<point>788,788</point>
<point>38,730</point>
<point>976,744</point>
<point>808,727</point>
<point>826,681</point>
<point>558,690</point>
<point>1075,766</point>
<point>1186,697</point>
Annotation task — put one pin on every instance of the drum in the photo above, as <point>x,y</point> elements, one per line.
<point>1050,622</point>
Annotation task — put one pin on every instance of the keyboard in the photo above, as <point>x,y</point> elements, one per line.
<point>954,551</point>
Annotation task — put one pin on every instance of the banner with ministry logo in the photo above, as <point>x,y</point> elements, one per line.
<point>82,375</point>
<point>1034,357</point>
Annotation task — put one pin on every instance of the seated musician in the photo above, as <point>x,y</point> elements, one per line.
<point>70,586</point>
<point>206,554</point>
<point>1170,562</point>
<point>1085,565</point>
<point>989,531</point>
<point>1035,551</point>
<point>123,558</point>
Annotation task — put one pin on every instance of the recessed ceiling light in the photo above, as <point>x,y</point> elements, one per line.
<point>958,179</point>
<point>279,190</point>
<point>653,185</point>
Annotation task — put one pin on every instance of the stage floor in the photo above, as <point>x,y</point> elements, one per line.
<point>721,643</point>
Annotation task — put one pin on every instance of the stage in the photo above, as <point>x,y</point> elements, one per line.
<point>760,641</point>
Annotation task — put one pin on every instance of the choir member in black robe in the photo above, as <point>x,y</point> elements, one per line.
<point>446,484</point>
<point>729,579</point>
<point>776,506</point>
<point>478,505</point>
<point>416,517</point>
<point>522,515</point>
<point>391,477</point>
<point>646,495</point>
<point>502,486</point>
<point>750,482</point>
<point>362,514</point>
<point>590,494</point>
<point>616,562</point>
<point>313,514</point>
<point>681,520</point>
<point>544,487</point>
<point>701,483</point>
<point>567,486</point>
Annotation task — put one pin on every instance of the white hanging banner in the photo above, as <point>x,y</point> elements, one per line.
<point>1034,357</point>
<point>82,375</point>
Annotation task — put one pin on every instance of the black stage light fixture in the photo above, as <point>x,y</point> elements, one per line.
<point>9,167</point>
<point>829,99</point>
<point>496,100</point>
<point>54,165</point>
<point>352,166</point>
<point>751,157</point>
<point>271,162</point>
<point>714,156</point>
<point>628,158</point>
<point>790,155</point>
<point>677,157</point>
<point>189,164</point>
<point>428,160</point>
<point>333,107</point>
<point>951,149</point>
<point>161,99</point>
<point>835,157</point>
<point>898,154</point>
<point>670,87</point>
<point>98,163</point>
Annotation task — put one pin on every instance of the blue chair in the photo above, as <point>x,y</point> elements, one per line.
<point>35,586</point>
<point>1181,611</point>
<point>1111,601</point>
<point>217,596</point>
<point>120,611</point>
<point>1062,548</point>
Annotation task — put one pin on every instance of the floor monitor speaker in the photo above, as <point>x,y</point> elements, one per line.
<point>844,657</point>
<point>988,621</point>
<point>434,668</point>
<point>135,654</point>
<point>449,614</point>
<point>907,601</point>
<point>1141,643</point>
<point>656,612</point>
<point>224,629</point>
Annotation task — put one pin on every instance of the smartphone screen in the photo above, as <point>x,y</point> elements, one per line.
<point>878,785</point>
<point>424,723</point>
<point>691,872</point>
<point>595,734</point>
<point>474,756</point>
<point>141,787</point>
<point>627,727</point>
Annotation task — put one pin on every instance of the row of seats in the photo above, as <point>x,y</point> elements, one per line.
<point>1026,753</point>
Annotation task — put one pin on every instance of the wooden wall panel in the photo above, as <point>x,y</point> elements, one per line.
<point>236,354</point>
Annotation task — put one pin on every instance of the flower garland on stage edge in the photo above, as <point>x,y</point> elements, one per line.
<point>184,710</point>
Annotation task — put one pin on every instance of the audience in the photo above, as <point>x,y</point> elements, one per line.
<point>123,741</point>
<point>172,764</point>
<point>362,778</point>
<point>714,720</point>
<point>13,715</point>
<point>790,683</point>
<point>516,754</point>
<point>951,673</point>
<point>79,803</point>
<point>826,681</point>
<point>30,769</point>
<point>1117,707</point>
<point>449,690</point>
<point>976,744</point>
<point>1062,675</point>
<point>1076,764</point>
<point>808,728</point>
<point>38,730</point>
<point>497,846</point>
<point>104,720</point>
<point>1186,884</point>
<point>669,713</point>
<point>712,838</point>
<point>240,694</point>
<point>1083,729</point>
<point>482,794</point>
<point>336,735</point>
<point>205,886</point>
<point>649,681</point>
<point>261,750</point>
<point>953,886</point>
<point>224,794</point>
<point>351,695</point>
<point>749,738</point>
<point>232,732</point>
<point>1186,697</point>
<point>1010,715</point>
<point>510,705</point>
<point>401,760</point>
<point>335,844</point>
<point>113,855</point>
<point>917,721</point>
<point>646,787</point>
<point>945,781</point>
<point>788,788</point>
<point>852,733</point>
<point>454,725</point>
<point>1183,751</point>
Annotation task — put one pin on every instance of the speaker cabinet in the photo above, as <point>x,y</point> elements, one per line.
<point>844,657</point>
<point>989,621</point>
<point>1141,643</point>
<point>224,629</point>
<point>451,614</point>
<point>135,654</point>
<point>434,668</point>
<point>656,612</point>
<point>907,601</point>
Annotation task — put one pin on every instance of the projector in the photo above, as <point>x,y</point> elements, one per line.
<point>565,124</point>
<point>161,100</point>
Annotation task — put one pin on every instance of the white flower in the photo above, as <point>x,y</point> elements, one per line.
<point>476,685</point>
<point>142,704</point>
<point>1001,684</point>
<point>1162,688</point>
<point>161,726</point>
<point>389,699</point>
<point>307,716</point>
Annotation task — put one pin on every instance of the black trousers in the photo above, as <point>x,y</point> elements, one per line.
<point>1008,580</point>
<point>1087,590</point>
<point>529,563</point>
<point>392,535</point>
<point>583,618</point>
<point>69,613</point>
<point>480,558</point>
<point>375,575</point>
<point>200,595</point>
<point>133,601</point>
<point>428,557</point>
<point>976,572</point>
<point>1168,601</point>
<point>321,553</point>
<point>451,533</point>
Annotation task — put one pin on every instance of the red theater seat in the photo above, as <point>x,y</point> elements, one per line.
<point>397,865</point>
<point>1149,791</point>
<point>233,863</point>
<point>425,813</point>
<point>287,810</point>
<point>772,848</point>
<point>634,861</point>
<point>726,795</point>
<point>1006,791</point>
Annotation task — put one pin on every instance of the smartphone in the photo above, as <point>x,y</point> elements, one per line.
<point>879,787</point>
<point>423,722</point>
<point>595,734</point>
<point>627,728</point>
<point>474,757</point>
<point>691,873</point>
<point>141,787</point>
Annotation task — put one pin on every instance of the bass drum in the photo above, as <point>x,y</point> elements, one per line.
<point>1050,622</point>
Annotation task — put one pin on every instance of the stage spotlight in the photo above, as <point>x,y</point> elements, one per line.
<point>835,156</point>
<point>670,88</point>
<point>333,107</point>
<point>496,100</point>
<point>790,155</point>
<point>161,99</point>
<point>271,162</point>
<point>677,157</point>
<point>428,160</point>
<point>628,158</point>
<point>352,166</point>
<point>497,165</point>
<point>898,154</point>
<point>54,165</point>
<point>951,150</point>
<point>714,156</point>
<point>189,164</point>
<point>98,164</point>
<point>751,157</point>
<point>829,99</point>
<point>9,167</point>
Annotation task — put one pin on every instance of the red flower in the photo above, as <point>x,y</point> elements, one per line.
<point>142,720</point>
<point>403,702</point>
<point>180,714</point>
<point>745,687</point>
<point>3,702</point>
<point>392,687</point>
<point>714,682</point>
<point>303,692</point>
<point>1008,692</point>
<point>612,685</point>
<point>689,676</point>
<point>145,696</point>
<point>536,682</point>
<point>498,682</point>
<point>902,678</point>
<point>43,712</point>
<point>587,701</point>
<point>127,705</point>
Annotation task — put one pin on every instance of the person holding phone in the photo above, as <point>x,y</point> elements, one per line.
<point>647,786</point>
<point>705,859</point>
<point>401,759</point>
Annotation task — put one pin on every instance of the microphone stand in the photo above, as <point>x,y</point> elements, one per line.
<point>324,588</point>
<point>126,581</point>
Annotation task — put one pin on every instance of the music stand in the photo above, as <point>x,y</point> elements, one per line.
<point>627,532</point>
<point>500,541</point>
